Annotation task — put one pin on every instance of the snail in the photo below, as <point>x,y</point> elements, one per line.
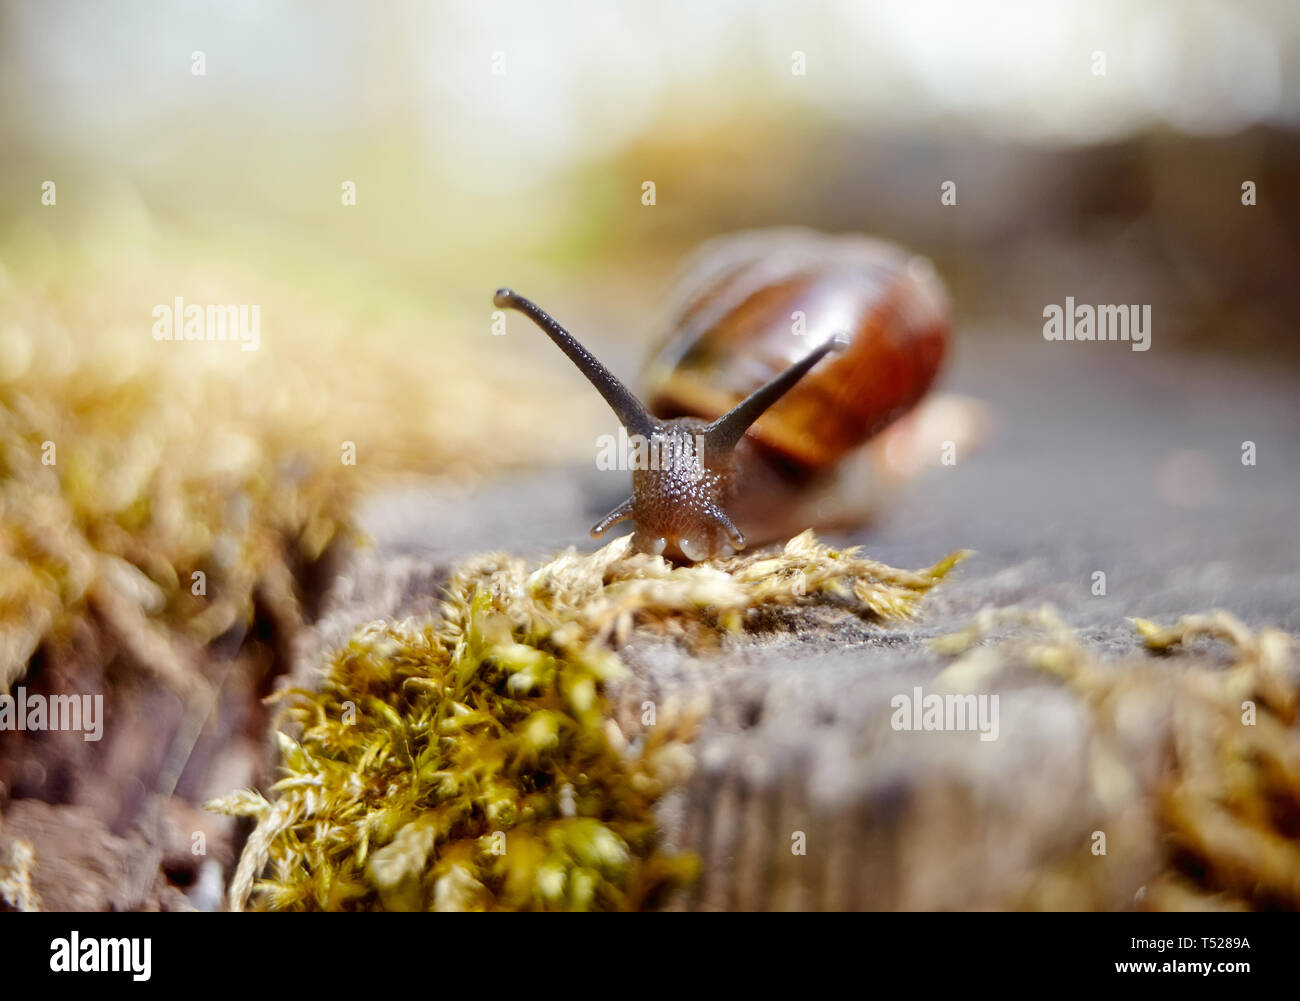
<point>789,350</point>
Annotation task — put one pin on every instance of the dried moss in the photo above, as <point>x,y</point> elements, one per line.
<point>1224,809</point>
<point>468,762</point>
<point>128,465</point>
<point>17,860</point>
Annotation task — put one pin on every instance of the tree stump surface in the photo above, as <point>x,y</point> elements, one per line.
<point>1126,468</point>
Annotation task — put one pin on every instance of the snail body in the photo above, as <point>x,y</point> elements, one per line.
<point>788,351</point>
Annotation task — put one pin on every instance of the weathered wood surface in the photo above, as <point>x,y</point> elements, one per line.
<point>1125,469</point>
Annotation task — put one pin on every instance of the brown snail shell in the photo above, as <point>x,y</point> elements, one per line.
<point>754,303</point>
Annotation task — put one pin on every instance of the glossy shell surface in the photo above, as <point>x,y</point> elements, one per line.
<point>751,304</point>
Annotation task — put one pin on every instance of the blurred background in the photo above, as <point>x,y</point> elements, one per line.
<point>494,142</point>
<point>1099,151</point>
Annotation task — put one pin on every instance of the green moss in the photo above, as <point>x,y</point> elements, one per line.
<point>461,772</point>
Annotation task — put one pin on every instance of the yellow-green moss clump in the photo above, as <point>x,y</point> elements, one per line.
<point>469,762</point>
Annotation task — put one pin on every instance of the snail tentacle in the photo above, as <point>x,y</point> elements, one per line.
<point>721,436</point>
<point>621,513</point>
<point>631,412</point>
<point>734,534</point>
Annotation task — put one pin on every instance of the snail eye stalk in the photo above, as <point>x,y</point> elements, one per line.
<point>721,436</point>
<point>631,412</point>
